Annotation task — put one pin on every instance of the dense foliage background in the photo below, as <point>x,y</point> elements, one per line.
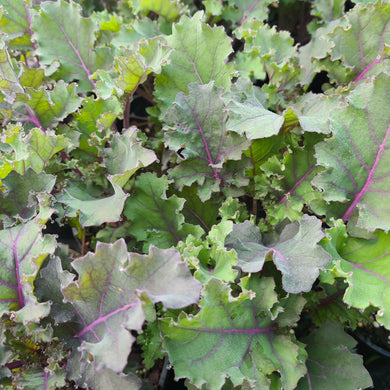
<point>201,185</point>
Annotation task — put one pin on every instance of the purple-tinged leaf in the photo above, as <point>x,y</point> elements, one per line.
<point>357,175</point>
<point>41,148</point>
<point>84,373</point>
<point>22,251</point>
<point>296,253</point>
<point>107,296</point>
<point>16,23</point>
<point>47,288</point>
<point>331,364</point>
<point>33,150</point>
<point>196,211</point>
<point>234,337</point>
<point>196,126</point>
<point>155,218</point>
<point>41,378</point>
<point>63,35</point>
<point>20,200</point>
<point>290,180</point>
<point>363,43</point>
<point>190,61</point>
<point>44,109</point>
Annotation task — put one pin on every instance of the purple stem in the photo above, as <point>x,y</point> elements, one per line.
<point>31,32</point>
<point>86,70</point>
<point>34,119</point>
<point>366,70</point>
<point>104,319</point>
<point>296,185</point>
<point>209,157</point>
<point>18,276</point>
<point>250,9</point>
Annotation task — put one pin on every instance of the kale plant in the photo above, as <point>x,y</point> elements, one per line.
<point>227,183</point>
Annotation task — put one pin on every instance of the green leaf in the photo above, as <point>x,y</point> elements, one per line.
<point>197,127</point>
<point>326,304</point>
<point>126,156</point>
<point>247,113</point>
<point>42,379</point>
<point>328,10</point>
<point>71,44</point>
<point>268,53</point>
<point>196,211</point>
<point>21,201</point>
<point>9,83</point>
<point>47,288</point>
<point>200,347</point>
<point>239,10</point>
<point>260,151</point>
<point>16,23</point>
<point>45,109</point>
<point>291,180</point>
<point>368,276</point>
<point>107,296</point>
<point>190,61</point>
<point>93,211</point>
<point>296,253</point>
<point>146,57</point>
<point>357,175</point>
<point>22,250</point>
<point>41,148</point>
<point>151,341</point>
<point>331,364</point>
<point>363,44</point>
<point>312,112</point>
<point>163,224</point>
<point>208,257</point>
<point>85,374</point>
<point>169,9</point>
<point>93,120</point>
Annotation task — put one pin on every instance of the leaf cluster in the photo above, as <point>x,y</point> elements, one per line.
<point>190,180</point>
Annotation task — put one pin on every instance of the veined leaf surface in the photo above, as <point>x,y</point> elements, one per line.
<point>69,43</point>
<point>235,338</point>
<point>197,127</point>
<point>190,62</point>
<point>16,23</point>
<point>107,297</point>
<point>93,211</point>
<point>296,253</point>
<point>366,263</point>
<point>356,157</point>
<point>22,251</point>
<point>163,224</point>
<point>363,43</point>
<point>331,363</point>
